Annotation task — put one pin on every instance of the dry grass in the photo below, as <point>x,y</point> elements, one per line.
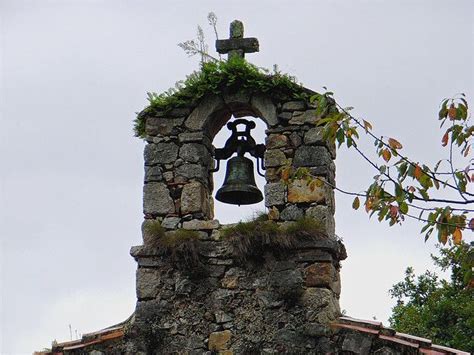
<point>251,239</point>
<point>181,245</point>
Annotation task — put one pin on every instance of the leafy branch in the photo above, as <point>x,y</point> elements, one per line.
<point>398,184</point>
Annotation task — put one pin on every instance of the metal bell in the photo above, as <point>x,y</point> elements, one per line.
<point>239,186</point>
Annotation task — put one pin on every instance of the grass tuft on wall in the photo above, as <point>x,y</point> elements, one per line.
<point>251,239</point>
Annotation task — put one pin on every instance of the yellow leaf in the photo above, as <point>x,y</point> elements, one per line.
<point>386,155</point>
<point>443,238</point>
<point>367,126</point>
<point>457,236</point>
<point>394,144</point>
<point>356,203</point>
<point>368,205</point>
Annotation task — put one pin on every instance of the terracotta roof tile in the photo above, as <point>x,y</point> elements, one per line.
<point>424,345</point>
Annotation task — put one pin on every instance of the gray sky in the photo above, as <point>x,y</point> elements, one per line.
<point>73,73</point>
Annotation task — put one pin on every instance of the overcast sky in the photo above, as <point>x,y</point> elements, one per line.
<point>73,74</point>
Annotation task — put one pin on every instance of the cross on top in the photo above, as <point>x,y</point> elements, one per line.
<point>236,45</point>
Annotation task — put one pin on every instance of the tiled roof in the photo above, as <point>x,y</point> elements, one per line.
<point>373,328</point>
<point>115,332</point>
<point>423,345</point>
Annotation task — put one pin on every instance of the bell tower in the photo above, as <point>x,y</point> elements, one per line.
<point>269,285</point>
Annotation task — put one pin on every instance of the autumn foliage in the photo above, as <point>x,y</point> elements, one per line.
<point>403,187</point>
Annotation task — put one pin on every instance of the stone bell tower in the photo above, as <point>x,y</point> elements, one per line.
<point>214,299</point>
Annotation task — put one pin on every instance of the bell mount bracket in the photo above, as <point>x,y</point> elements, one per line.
<point>240,142</point>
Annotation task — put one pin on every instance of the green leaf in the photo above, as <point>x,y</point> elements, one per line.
<point>340,136</point>
<point>424,194</point>
<point>403,207</point>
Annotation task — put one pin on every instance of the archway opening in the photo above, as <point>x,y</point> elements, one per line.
<point>228,213</point>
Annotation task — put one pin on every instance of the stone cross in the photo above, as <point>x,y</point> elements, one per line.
<point>236,45</point>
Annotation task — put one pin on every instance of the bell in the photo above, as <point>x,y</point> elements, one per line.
<point>239,186</point>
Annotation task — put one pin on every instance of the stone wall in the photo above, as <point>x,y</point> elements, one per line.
<point>283,301</point>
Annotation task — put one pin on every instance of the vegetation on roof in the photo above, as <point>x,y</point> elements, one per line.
<point>217,77</point>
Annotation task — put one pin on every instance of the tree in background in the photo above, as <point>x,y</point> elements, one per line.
<point>441,310</point>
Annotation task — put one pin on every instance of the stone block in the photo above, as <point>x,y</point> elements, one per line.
<point>195,137</point>
<point>273,214</point>
<point>180,112</point>
<point>272,174</point>
<point>312,256</point>
<point>198,224</point>
<point>294,106</point>
<point>304,117</point>
<point>223,317</point>
<point>150,309</point>
<point>201,115</point>
<point>168,176</point>
<point>148,282</point>
<point>274,141</point>
<point>192,171</point>
<point>291,213</point>
<point>195,153</point>
<point>265,109</point>
<point>285,116</point>
<point>230,282</point>
<point>237,99</point>
<point>336,284</point>
<point>194,198</point>
<point>275,194</point>
<point>320,274</point>
<point>295,139</point>
<point>357,343</point>
<point>170,222</point>
<point>274,158</point>
<point>219,340</point>
<point>321,304</point>
<point>323,215</point>
<point>300,191</point>
<point>311,156</point>
<point>315,330</point>
<point>314,136</point>
<point>157,199</point>
<point>326,171</point>
<point>153,174</point>
<point>162,126</point>
<point>286,283</point>
<point>160,153</point>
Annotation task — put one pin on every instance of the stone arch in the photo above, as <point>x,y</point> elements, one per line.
<point>214,111</point>
<point>179,157</point>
